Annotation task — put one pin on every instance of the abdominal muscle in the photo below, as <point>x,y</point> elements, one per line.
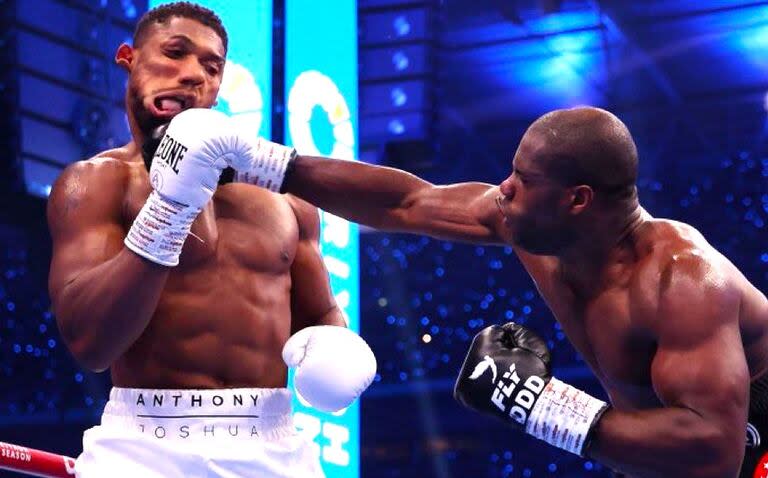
<point>224,329</point>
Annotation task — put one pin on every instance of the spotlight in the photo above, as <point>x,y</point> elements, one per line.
<point>396,127</point>
<point>399,98</point>
<point>129,9</point>
<point>402,26</point>
<point>400,60</point>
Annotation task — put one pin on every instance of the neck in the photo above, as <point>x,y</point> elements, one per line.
<point>607,241</point>
<point>133,147</point>
<point>138,136</point>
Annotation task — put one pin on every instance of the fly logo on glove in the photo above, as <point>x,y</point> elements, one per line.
<point>171,152</point>
<point>524,398</point>
<point>480,369</point>
<point>526,395</point>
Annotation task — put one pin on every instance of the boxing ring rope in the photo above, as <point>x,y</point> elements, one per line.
<point>35,462</point>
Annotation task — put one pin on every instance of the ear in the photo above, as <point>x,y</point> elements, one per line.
<point>581,198</point>
<point>124,56</point>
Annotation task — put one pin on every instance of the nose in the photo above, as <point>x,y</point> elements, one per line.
<point>507,189</point>
<point>192,72</point>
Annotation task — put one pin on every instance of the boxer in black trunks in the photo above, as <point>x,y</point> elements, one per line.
<point>674,332</point>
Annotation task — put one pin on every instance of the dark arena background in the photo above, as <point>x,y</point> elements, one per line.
<point>444,89</point>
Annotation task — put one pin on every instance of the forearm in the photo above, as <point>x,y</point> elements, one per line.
<point>333,317</point>
<point>665,442</point>
<point>357,191</point>
<point>105,309</point>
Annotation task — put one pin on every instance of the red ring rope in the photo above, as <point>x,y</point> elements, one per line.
<point>35,462</point>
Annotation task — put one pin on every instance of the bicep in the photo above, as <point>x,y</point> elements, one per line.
<point>709,377</point>
<point>82,250</point>
<point>459,212</point>
<point>700,362</point>
<point>312,300</point>
<point>85,228</point>
<point>468,212</point>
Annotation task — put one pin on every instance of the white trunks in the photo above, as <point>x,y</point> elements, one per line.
<point>241,432</point>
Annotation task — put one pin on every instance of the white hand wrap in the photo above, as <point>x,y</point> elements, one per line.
<point>160,229</point>
<point>184,174</point>
<point>266,164</point>
<point>563,416</point>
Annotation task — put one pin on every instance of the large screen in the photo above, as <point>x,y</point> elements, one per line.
<point>321,119</point>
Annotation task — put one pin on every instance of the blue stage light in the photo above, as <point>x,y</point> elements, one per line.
<point>399,97</point>
<point>396,127</point>
<point>401,25</point>
<point>400,60</point>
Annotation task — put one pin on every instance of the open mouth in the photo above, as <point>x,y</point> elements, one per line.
<point>167,106</point>
<point>505,218</point>
<point>499,206</point>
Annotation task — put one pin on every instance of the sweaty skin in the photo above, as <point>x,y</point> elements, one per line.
<point>670,327</point>
<point>249,276</point>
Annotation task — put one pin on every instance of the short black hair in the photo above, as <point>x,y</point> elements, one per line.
<point>163,13</point>
<point>589,146</point>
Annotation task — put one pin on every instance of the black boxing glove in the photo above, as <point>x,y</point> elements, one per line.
<point>507,374</point>
<point>152,142</point>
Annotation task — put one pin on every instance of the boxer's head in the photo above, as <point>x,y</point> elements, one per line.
<point>176,62</point>
<point>571,167</point>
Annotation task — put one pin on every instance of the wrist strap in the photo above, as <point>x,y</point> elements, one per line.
<point>563,416</point>
<point>269,166</point>
<point>289,170</point>
<point>160,229</point>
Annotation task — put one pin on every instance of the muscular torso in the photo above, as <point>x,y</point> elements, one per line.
<point>613,324</point>
<point>224,313</point>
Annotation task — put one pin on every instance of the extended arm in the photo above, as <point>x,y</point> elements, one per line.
<point>394,200</point>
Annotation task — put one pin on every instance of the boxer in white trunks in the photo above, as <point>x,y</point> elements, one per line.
<point>195,330</point>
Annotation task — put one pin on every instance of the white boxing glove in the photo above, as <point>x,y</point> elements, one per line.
<point>198,144</point>
<point>333,365</point>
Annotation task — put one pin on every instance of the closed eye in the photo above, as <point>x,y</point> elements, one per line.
<point>212,69</point>
<point>175,54</point>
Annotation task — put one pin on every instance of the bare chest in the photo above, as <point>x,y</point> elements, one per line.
<point>607,331</point>
<point>242,227</point>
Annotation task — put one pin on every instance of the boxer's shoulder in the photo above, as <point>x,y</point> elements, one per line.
<point>112,165</point>
<point>671,247</point>
<point>679,266</point>
<point>667,232</point>
<point>94,183</point>
<point>307,216</point>
<point>301,207</point>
